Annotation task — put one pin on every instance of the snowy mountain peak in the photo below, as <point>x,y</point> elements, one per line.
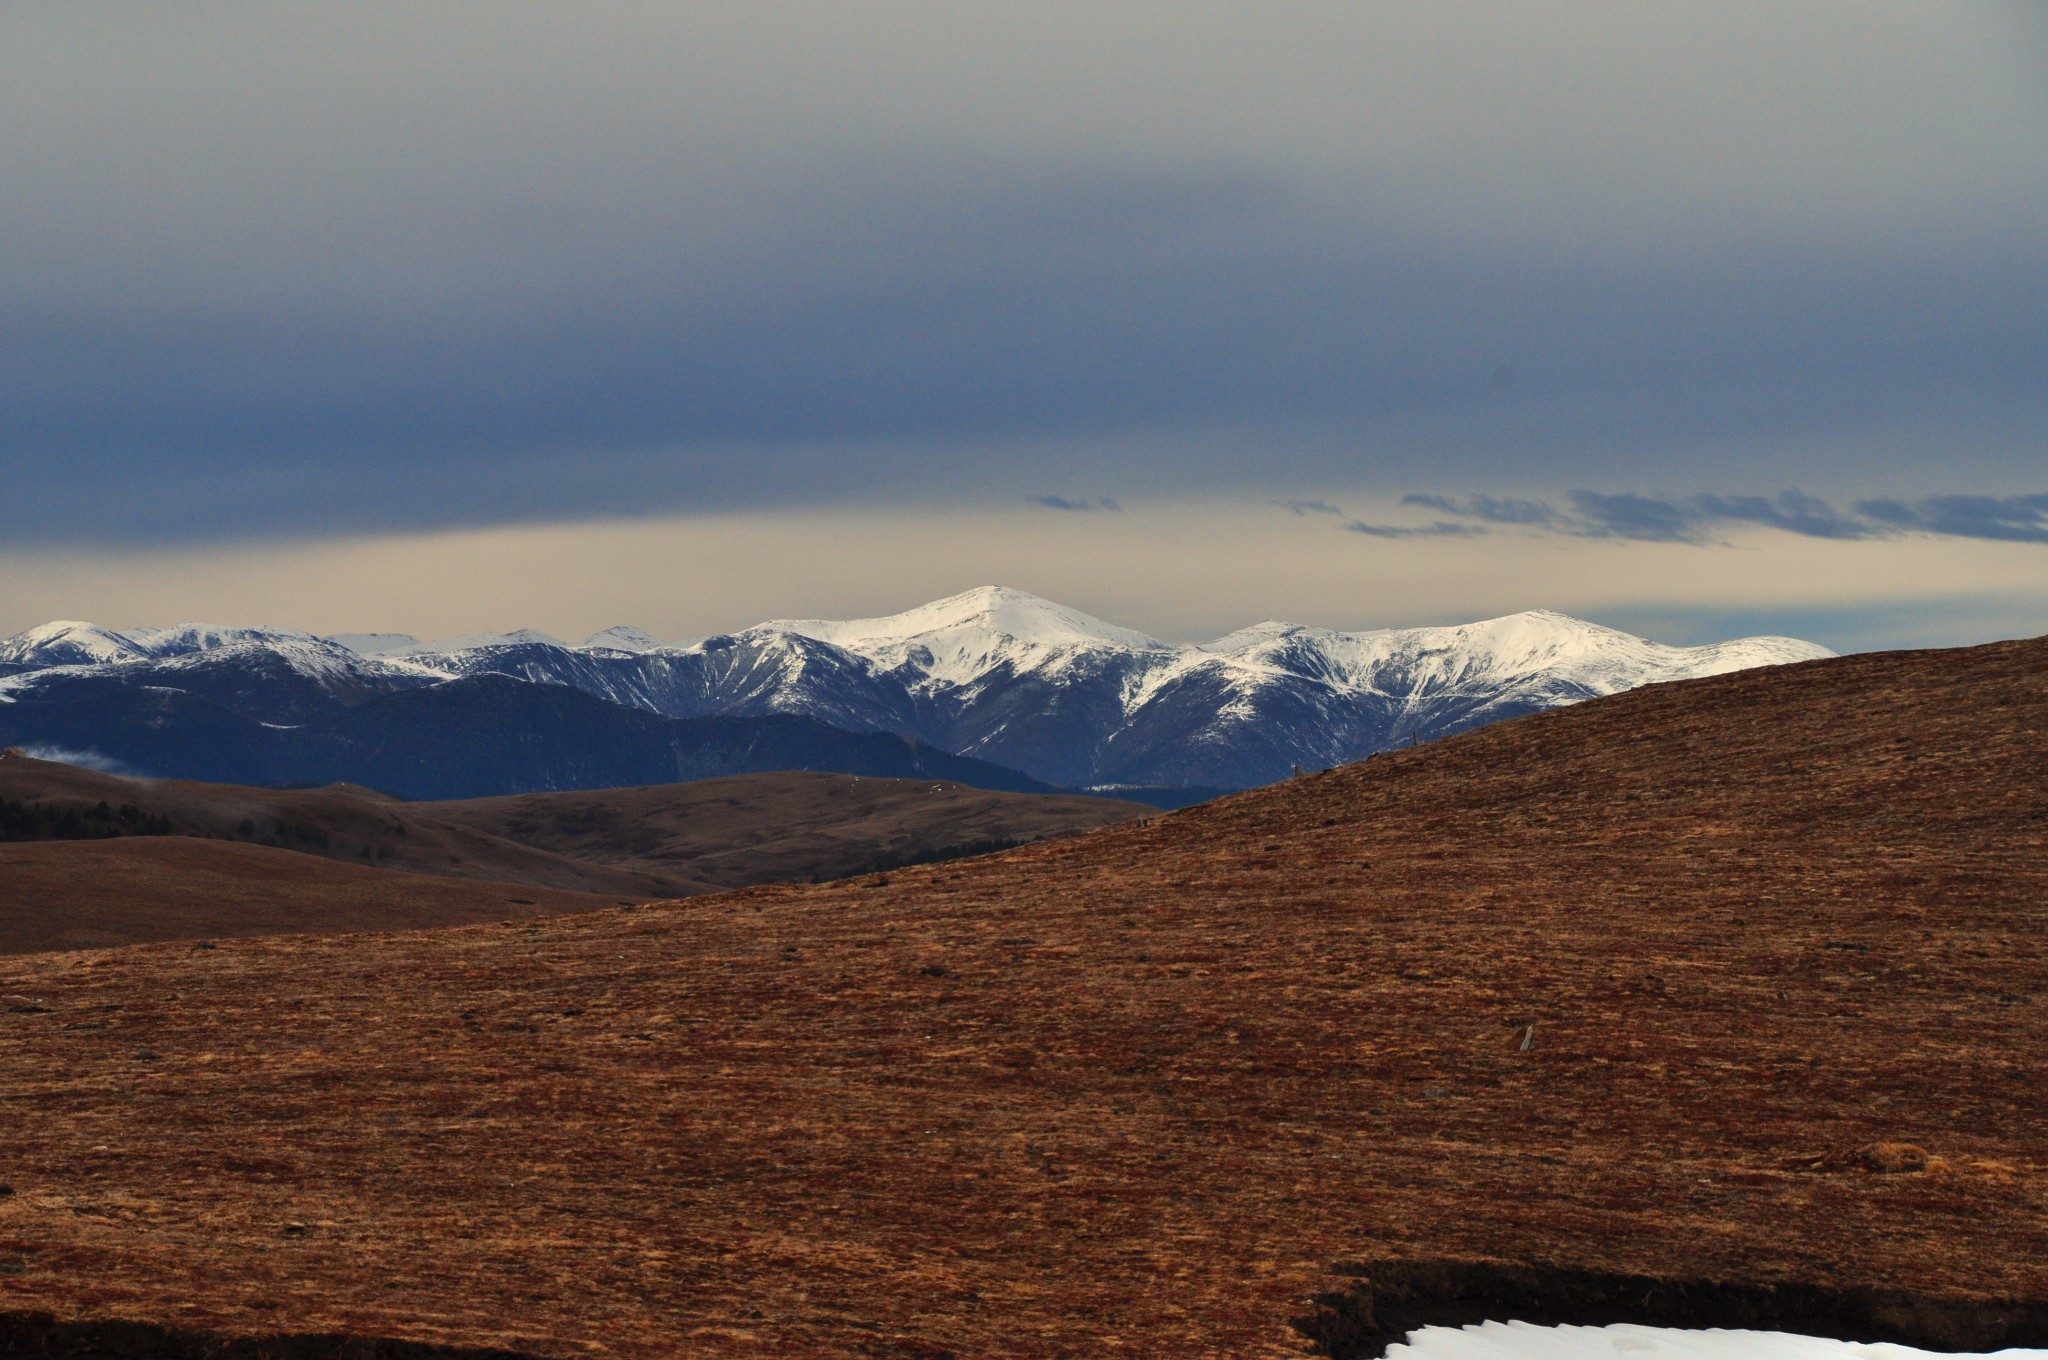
<point>620,639</point>
<point>373,644</point>
<point>184,639</point>
<point>470,642</point>
<point>67,642</point>
<point>996,611</point>
<point>994,673</point>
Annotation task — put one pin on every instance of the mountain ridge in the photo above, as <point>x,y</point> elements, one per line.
<point>994,674</point>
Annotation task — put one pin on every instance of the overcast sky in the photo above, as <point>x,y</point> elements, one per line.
<point>1369,313</point>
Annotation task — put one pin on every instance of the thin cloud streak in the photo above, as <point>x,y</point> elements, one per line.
<point>2011,519</point>
<point>1701,519</point>
<point>1441,529</point>
<point>1100,503</point>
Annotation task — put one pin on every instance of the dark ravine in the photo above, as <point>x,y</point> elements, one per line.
<point>39,1335</point>
<point>1387,1300</point>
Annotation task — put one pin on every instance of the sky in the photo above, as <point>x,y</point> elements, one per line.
<point>1694,318</point>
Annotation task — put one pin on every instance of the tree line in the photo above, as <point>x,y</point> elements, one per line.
<point>21,821</point>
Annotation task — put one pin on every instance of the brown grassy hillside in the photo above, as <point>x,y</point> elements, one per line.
<point>666,840</point>
<point>797,826</point>
<point>1669,985</point>
<point>79,895</point>
<point>340,822</point>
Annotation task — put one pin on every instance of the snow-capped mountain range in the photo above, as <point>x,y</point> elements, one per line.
<point>995,674</point>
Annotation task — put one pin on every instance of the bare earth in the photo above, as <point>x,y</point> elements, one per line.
<point>1738,980</point>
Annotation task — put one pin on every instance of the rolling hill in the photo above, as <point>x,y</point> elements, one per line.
<point>796,826</point>
<point>105,884</point>
<point>1716,1001</point>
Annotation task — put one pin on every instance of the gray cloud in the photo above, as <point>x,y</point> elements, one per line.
<point>1440,529</point>
<point>1309,507</point>
<point>1698,519</point>
<point>2016,519</point>
<point>1064,503</point>
<point>1792,511</point>
<point>284,272</point>
<point>1626,515</point>
<point>1491,509</point>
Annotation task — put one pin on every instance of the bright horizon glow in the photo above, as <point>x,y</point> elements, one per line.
<point>1182,572</point>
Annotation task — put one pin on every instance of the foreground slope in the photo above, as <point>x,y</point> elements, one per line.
<point>1659,985</point>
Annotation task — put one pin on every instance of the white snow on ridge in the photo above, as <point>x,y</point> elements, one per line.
<point>995,610</point>
<point>955,641</point>
<point>619,639</point>
<point>1517,646</point>
<point>469,642</point>
<point>73,643</point>
<point>995,673</point>
<point>68,642</point>
<point>1524,1341</point>
<point>951,648</point>
<point>186,638</point>
<point>373,644</point>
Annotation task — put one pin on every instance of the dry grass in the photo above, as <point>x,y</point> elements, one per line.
<point>791,827</point>
<point>1133,1092</point>
<point>86,894</point>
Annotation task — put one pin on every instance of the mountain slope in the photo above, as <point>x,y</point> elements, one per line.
<point>478,736</point>
<point>1023,682</point>
<point>1724,991</point>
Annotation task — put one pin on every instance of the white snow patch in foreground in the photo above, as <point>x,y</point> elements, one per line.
<point>1526,1341</point>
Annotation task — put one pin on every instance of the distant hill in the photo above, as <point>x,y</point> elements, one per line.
<point>341,822</point>
<point>257,721</point>
<point>1718,1002</point>
<point>793,827</point>
<point>99,860</point>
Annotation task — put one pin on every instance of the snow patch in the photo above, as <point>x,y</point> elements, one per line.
<point>620,639</point>
<point>374,644</point>
<point>1525,1341</point>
